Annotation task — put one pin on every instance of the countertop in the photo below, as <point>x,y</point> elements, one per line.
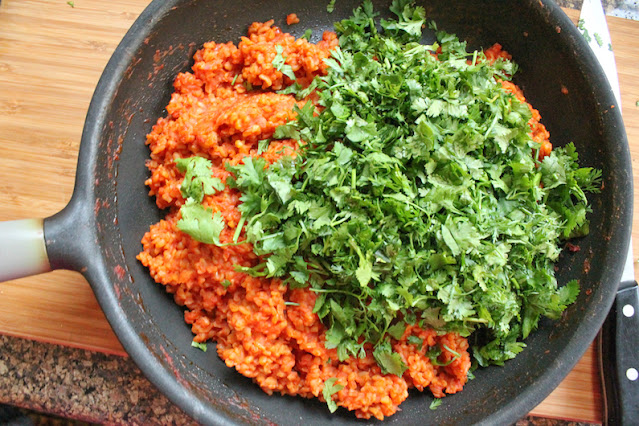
<point>72,382</point>
<point>99,388</point>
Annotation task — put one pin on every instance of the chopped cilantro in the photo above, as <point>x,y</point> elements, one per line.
<point>307,34</point>
<point>397,331</point>
<point>598,39</point>
<point>72,4</point>
<point>197,179</point>
<point>225,283</point>
<point>390,362</point>
<point>414,197</point>
<point>416,341</point>
<point>434,353</point>
<point>581,24</point>
<point>471,374</point>
<point>197,221</point>
<point>262,146</point>
<point>279,63</point>
<point>330,388</point>
<point>200,223</point>
<point>456,354</point>
<point>200,346</point>
<point>286,131</point>
<point>436,403</point>
<point>330,7</point>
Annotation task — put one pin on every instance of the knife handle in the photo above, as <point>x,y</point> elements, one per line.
<point>619,359</point>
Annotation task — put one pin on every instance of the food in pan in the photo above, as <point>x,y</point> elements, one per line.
<point>357,217</point>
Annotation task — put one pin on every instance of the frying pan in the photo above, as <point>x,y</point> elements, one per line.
<point>98,233</point>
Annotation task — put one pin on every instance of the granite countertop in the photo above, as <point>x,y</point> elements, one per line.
<point>79,384</point>
<point>96,387</point>
<point>628,9</point>
<point>101,388</point>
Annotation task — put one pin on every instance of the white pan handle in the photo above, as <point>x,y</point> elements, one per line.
<point>22,249</point>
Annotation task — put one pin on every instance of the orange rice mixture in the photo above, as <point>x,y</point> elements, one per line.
<point>538,131</point>
<point>280,346</point>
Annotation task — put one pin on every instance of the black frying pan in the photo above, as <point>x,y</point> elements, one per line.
<point>99,232</point>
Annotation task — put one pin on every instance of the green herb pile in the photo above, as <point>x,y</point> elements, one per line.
<point>416,196</point>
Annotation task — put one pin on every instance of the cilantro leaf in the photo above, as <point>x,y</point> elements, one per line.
<point>330,388</point>
<point>358,129</point>
<point>397,331</point>
<point>410,19</point>
<point>262,146</point>
<point>279,63</point>
<point>436,403</point>
<point>197,179</point>
<point>598,39</point>
<point>200,223</point>
<point>200,346</point>
<point>286,131</point>
<point>250,174</point>
<point>364,272</point>
<point>390,362</point>
<point>415,341</point>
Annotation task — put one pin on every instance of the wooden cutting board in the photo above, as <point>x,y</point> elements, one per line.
<point>51,56</point>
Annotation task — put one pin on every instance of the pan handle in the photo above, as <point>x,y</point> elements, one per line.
<point>65,240</point>
<point>22,249</point>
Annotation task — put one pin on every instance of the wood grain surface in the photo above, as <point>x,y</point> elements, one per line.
<point>51,57</point>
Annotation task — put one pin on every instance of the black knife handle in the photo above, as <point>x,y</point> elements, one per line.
<point>619,359</point>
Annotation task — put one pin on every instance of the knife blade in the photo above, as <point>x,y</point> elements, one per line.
<point>618,340</point>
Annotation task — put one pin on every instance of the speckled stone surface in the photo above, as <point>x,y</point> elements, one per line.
<point>628,9</point>
<point>95,387</point>
<point>80,384</point>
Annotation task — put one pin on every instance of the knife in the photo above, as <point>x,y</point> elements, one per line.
<point>618,340</point>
